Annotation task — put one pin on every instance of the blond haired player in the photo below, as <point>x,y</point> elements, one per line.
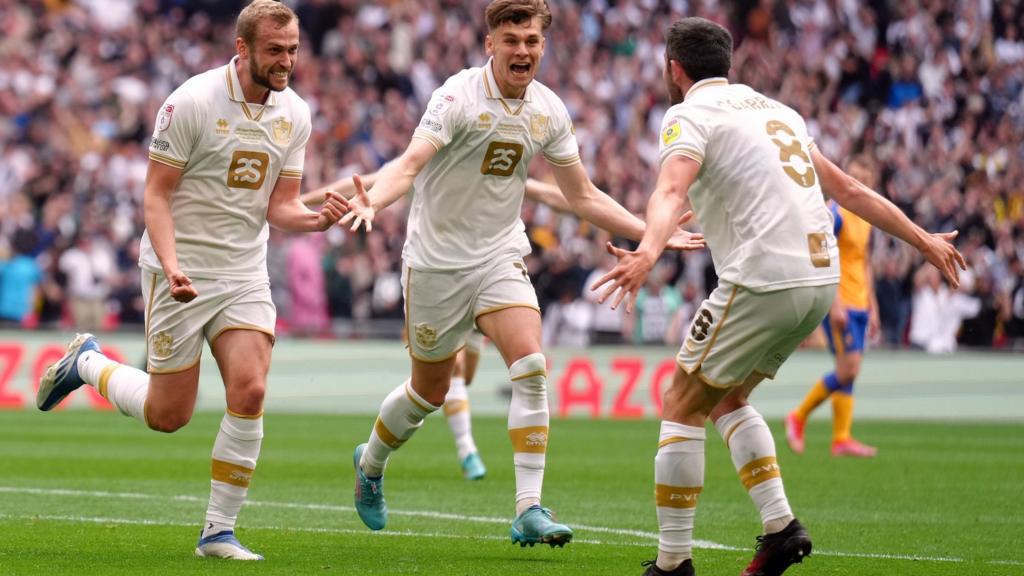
<point>226,159</point>
<point>755,180</point>
<point>464,249</point>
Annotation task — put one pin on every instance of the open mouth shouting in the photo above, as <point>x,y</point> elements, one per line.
<point>521,70</point>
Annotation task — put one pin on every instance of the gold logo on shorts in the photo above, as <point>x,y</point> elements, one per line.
<point>426,336</point>
<point>162,344</point>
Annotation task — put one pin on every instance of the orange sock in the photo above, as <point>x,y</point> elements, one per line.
<point>842,415</point>
<point>817,394</point>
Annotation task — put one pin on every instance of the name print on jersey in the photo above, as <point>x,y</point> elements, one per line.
<point>248,169</point>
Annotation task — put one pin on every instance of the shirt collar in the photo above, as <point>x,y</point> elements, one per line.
<point>235,87</point>
<point>491,85</point>
<point>717,81</point>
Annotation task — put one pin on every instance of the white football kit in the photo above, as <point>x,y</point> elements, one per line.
<point>231,154</point>
<point>765,222</point>
<point>465,239</point>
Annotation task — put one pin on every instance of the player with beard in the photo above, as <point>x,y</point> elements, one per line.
<point>755,180</point>
<point>226,161</point>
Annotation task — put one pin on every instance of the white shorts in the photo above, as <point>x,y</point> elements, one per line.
<point>441,307</point>
<point>736,332</point>
<point>175,331</point>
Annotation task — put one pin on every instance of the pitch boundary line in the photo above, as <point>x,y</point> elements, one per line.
<point>651,536</point>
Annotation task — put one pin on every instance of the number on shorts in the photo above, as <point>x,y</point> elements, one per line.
<point>701,325</point>
<point>789,150</point>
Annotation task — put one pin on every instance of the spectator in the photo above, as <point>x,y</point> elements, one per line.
<point>19,280</point>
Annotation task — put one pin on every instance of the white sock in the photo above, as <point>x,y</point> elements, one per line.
<point>401,414</point>
<point>124,386</point>
<point>456,410</point>
<point>528,427</point>
<point>753,454</point>
<point>235,452</point>
<point>678,481</point>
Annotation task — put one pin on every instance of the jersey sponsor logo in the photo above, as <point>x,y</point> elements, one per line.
<point>159,145</point>
<point>162,344</point>
<point>431,124</point>
<point>817,246</point>
<point>281,131</point>
<point>426,336</point>
<point>672,132</point>
<point>248,169</point>
<point>163,121</point>
<point>223,128</point>
<point>539,125</point>
<point>440,104</point>
<point>501,158</point>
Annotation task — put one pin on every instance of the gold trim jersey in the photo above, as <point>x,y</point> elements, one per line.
<point>231,154</point>
<point>468,198</point>
<point>757,196</point>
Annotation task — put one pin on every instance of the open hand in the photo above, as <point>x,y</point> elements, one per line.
<point>940,252</point>
<point>685,240</point>
<point>627,277</point>
<point>360,209</point>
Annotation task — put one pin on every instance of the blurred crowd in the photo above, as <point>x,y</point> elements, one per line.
<point>931,90</point>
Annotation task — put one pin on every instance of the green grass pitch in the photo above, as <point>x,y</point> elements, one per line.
<point>96,493</point>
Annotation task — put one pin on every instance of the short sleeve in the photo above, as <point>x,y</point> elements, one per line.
<point>682,135</point>
<point>294,163</point>
<point>439,123</point>
<point>561,147</point>
<point>176,130</point>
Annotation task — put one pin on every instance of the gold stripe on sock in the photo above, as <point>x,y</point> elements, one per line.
<point>386,436</point>
<point>105,378</point>
<point>415,401</point>
<point>453,407</point>
<point>230,473</point>
<point>532,439</point>
<point>676,496</point>
<point>543,373</point>
<point>673,440</point>
<point>245,416</point>
<point>759,471</point>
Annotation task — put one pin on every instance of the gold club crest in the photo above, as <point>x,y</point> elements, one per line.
<point>223,127</point>
<point>162,344</point>
<point>281,131</point>
<point>539,124</point>
<point>426,336</point>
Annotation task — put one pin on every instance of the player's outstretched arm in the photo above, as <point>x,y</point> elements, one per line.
<point>287,212</point>
<point>345,187</point>
<point>548,195</point>
<point>664,210</point>
<point>393,181</point>
<point>593,205</point>
<point>161,181</point>
<point>938,249</point>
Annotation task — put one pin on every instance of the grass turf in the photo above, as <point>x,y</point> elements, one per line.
<point>96,493</point>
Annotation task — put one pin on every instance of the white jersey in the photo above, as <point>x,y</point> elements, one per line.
<point>757,196</point>
<point>231,154</point>
<point>468,198</point>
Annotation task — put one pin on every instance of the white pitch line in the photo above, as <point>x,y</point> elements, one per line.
<point>705,544</point>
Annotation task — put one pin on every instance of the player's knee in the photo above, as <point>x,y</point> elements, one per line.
<point>529,374</point>
<point>167,421</point>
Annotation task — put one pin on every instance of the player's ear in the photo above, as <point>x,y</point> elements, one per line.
<point>489,45</point>
<point>241,48</point>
